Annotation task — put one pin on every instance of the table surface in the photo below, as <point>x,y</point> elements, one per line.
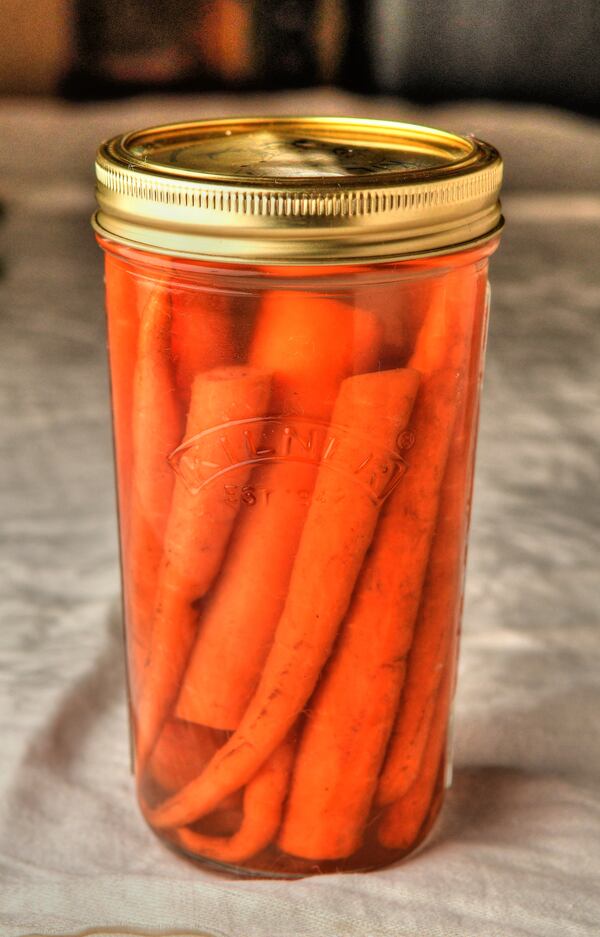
<point>518,850</point>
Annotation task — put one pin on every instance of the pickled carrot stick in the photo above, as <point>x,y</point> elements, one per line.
<point>344,741</point>
<point>439,594</point>
<point>180,754</point>
<point>403,821</point>
<point>434,629</point>
<point>400,307</point>
<point>311,343</point>
<point>370,411</point>
<point>156,431</point>
<point>263,802</point>
<point>439,610</point>
<point>470,420</point>
<point>200,522</point>
<point>122,305</point>
<point>201,335</point>
<point>440,342</point>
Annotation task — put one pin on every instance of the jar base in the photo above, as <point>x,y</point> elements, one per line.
<point>238,871</point>
<point>306,867</point>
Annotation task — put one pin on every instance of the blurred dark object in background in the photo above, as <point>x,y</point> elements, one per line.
<point>543,51</point>
<point>125,47</point>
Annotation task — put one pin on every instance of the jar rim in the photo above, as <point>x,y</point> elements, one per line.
<point>297,190</point>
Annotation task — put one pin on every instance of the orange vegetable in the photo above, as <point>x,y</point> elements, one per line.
<point>440,555</point>
<point>122,305</point>
<point>400,308</point>
<point>345,739</point>
<point>352,715</point>
<point>439,610</point>
<point>199,525</point>
<point>434,630</point>
<point>182,750</point>
<point>263,801</point>
<point>370,411</point>
<point>201,336</point>
<point>156,431</point>
<point>310,343</point>
<point>180,754</point>
<point>401,824</point>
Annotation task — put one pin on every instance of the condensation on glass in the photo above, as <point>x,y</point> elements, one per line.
<point>296,316</point>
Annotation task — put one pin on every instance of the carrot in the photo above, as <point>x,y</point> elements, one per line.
<point>403,821</point>
<point>180,754</point>
<point>310,343</point>
<point>344,741</point>
<point>201,336</point>
<point>435,627</point>
<point>441,598</point>
<point>156,431</point>
<point>263,802</point>
<point>199,525</point>
<point>468,441</point>
<point>400,306</point>
<point>370,411</point>
<point>122,303</point>
<point>177,338</point>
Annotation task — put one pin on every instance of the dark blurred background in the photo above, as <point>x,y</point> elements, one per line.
<point>540,51</point>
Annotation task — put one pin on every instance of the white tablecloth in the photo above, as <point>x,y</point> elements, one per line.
<point>518,851</point>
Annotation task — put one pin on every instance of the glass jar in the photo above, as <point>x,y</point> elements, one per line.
<point>297,312</point>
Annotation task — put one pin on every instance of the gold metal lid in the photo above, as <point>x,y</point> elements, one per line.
<point>289,190</point>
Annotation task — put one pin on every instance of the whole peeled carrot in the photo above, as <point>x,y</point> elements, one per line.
<point>156,431</point>
<point>344,741</point>
<point>434,630</point>
<point>180,754</point>
<point>199,525</point>
<point>400,307</point>
<point>441,549</point>
<point>403,821</point>
<point>179,336</point>
<point>122,307</point>
<point>370,411</point>
<point>262,806</point>
<point>310,343</point>
<point>439,609</point>
<point>201,336</point>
